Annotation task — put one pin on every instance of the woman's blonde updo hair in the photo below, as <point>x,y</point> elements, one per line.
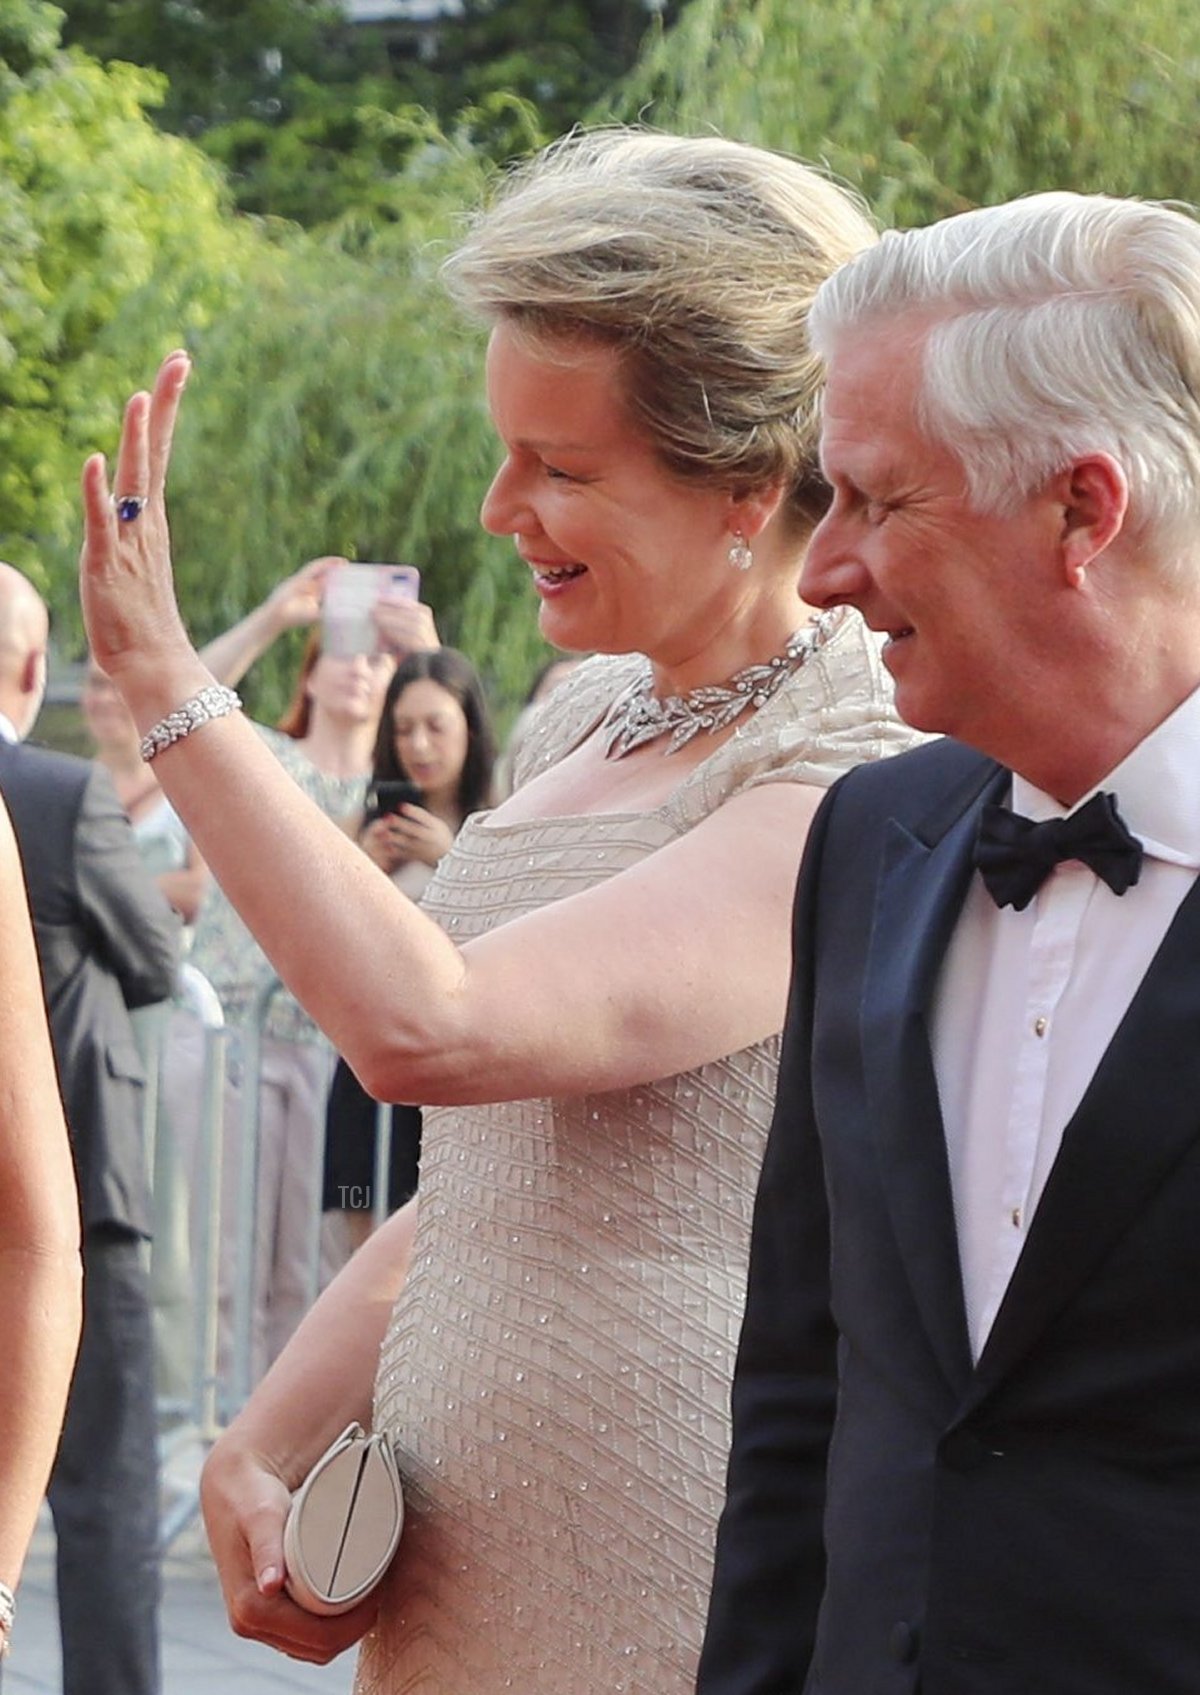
<point>698,258</point>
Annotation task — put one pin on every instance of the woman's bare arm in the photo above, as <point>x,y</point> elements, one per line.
<point>626,981</point>
<point>678,960</point>
<point>39,1229</point>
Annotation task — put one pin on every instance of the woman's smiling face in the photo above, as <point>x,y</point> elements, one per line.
<point>625,556</point>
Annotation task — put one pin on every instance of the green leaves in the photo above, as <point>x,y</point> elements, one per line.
<point>360,429</point>
<point>337,402</point>
<point>929,106</point>
<point>28,37</point>
<point>114,246</point>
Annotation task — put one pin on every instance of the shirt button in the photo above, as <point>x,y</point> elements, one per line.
<point>1016,1218</point>
<point>1039,1026</point>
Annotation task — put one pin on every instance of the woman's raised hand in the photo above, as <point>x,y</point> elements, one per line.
<point>126,585</point>
<point>296,601</point>
<point>405,626</point>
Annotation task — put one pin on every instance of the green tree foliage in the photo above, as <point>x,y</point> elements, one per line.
<point>337,401</point>
<point>563,55</point>
<point>337,154</point>
<point>933,105</point>
<point>223,59</point>
<point>340,409</point>
<point>311,115</point>
<point>343,154</point>
<point>28,37</point>
<point>114,245</point>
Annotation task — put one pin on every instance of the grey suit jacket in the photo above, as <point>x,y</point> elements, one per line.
<point>901,1516</point>
<point>107,941</point>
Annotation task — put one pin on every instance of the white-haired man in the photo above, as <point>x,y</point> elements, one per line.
<point>966,1452</point>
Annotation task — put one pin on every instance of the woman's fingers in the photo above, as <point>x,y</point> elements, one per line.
<point>297,599</point>
<point>261,1609</point>
<point>406,626</point>
<point>99,519</point>
<point>125,563</point>
<point>125,585</point>
<point>132,474</point>
<point>279,1623</point>
<point>169,385</point>
<point>147,432</point>
<point>262,1526</point>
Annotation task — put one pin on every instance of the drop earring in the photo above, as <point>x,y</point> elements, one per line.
<point>740,555</point>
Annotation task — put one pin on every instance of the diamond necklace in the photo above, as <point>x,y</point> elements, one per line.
<point>639,716</point>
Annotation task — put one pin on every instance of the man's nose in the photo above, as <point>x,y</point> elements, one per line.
<point>832,574</point>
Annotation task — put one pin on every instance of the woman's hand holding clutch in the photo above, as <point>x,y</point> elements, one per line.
<point>245,1505</point>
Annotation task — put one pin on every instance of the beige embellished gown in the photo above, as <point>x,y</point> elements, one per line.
<point>556,1374</point>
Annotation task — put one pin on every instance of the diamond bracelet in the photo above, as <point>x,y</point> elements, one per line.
<point>8,1611</point>
<point>211,702</point>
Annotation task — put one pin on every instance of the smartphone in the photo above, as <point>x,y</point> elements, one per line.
<point>399,582</point>
<point>351,593</point>
<point>390,796</point>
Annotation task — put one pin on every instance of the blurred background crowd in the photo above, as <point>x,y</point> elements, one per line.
<point>256,178</point>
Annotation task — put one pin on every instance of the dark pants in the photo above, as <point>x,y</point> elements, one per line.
<point>350,1137</point>
<point>104,1487</point>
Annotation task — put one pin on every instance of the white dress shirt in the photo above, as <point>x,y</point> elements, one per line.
<point>8,730</point>
<point>1027,1002</point>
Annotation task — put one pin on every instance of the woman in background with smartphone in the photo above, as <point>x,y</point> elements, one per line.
<point>324,743</point>
<point>434,759</point>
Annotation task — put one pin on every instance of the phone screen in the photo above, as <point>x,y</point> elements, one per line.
<point>389,796</point>
<point>403,582</point>
<point>351,593</point>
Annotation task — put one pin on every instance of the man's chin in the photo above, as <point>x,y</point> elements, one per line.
<point>919,711</point>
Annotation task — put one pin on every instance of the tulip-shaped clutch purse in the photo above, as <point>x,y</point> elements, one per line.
<point>344,1524</point>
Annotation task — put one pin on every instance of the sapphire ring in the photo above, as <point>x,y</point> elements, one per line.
<point>128,506</point>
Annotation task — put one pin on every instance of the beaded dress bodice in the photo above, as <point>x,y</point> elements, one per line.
<point>556,1374</point>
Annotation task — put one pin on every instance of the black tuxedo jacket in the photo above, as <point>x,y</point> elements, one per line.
<point>107,941</point>
<point>899,1518</point>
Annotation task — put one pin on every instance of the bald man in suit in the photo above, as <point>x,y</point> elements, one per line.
<point>107,942</point>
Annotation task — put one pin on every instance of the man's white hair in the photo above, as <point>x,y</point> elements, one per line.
<point>1061,325</point>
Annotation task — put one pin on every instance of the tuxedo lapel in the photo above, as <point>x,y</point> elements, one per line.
<point>923,881</point>
<point>1138,1116</point>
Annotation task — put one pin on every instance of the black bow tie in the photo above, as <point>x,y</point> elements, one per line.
<point>1015,856</point>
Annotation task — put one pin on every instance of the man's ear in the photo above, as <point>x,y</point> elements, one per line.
<point>33,671</point>
<point>1093,493</point>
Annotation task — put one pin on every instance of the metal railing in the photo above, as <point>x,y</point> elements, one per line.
<point>222,1378</point>
<point>201,1426</point>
